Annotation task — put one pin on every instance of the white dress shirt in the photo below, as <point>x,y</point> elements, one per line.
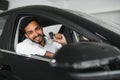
<point>29,48</point>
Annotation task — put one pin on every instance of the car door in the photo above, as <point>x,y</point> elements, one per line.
<point>5,70</point>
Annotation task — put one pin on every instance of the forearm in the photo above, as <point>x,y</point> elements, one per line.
<point>49,54</point>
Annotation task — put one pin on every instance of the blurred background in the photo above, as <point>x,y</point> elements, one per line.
<point>104,9</point>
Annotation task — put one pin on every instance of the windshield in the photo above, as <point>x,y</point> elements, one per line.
<point>104,23</point>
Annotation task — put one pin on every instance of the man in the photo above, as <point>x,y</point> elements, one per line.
<point>36,42</point>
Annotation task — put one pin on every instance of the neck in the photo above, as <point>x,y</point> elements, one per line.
<point>42,43</point>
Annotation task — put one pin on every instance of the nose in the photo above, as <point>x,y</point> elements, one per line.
<point>35,33</point>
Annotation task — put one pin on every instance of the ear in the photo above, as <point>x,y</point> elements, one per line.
<point>26,35</point>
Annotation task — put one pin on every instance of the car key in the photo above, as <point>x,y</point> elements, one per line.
<point>51,35</point>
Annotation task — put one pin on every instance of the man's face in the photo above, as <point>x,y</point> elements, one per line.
<point>34,32</point>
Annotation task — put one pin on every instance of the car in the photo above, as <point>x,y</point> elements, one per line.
<point>92,51</point>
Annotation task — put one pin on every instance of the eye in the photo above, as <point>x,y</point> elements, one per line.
<point>30,32</point>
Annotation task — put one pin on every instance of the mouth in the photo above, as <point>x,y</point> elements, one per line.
<point>37,37</point>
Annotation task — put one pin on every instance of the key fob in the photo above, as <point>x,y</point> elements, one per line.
<point>51,35</point>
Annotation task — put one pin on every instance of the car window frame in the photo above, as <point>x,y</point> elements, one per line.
<point>57,18</point>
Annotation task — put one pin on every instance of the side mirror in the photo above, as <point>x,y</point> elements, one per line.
<point>85,58</point>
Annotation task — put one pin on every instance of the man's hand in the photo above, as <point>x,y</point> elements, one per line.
<point>60,39</point>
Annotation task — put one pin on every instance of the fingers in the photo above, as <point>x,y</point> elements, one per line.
<point>60,38</point>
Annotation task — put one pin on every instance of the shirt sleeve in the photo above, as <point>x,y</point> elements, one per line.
<point>58,46</point>
<point>29,49</point>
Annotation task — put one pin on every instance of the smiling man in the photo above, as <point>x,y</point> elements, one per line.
<point>36,42</point>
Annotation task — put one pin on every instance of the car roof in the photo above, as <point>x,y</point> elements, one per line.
<point>33,7</point>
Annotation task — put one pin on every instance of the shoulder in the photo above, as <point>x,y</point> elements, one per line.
<point>23,43</point>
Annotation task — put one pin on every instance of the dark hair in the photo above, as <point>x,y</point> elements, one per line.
<point>25,21</point>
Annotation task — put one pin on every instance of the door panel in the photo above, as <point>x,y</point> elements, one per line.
<point>24,68</point>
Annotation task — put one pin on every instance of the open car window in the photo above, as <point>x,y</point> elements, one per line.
<point>71,35</point>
